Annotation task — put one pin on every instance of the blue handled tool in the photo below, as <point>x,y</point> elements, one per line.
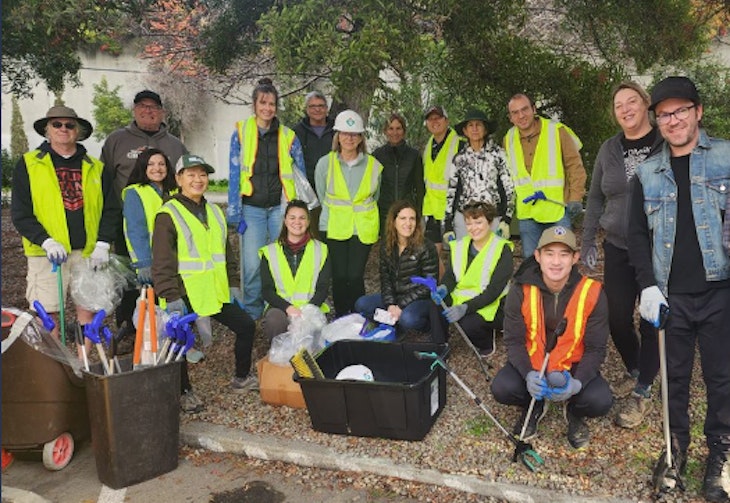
<point>92,332</point>
<point>540,196</point>
<point>46,319</point>
<point>61,301</point>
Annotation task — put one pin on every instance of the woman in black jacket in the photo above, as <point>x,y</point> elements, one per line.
<point>404,253</point>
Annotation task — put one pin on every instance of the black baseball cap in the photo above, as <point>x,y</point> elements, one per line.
<point>674,87</point>
<point>149,95</point>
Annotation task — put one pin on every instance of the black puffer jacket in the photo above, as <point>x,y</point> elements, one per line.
<point>396,271</point>
<point>402,176</point>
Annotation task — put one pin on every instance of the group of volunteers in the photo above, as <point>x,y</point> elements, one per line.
<point>657,199</point>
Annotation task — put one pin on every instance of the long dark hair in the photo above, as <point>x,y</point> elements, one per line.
<point>294,203</point>
<point>139,172</point>
<point>415,240</point>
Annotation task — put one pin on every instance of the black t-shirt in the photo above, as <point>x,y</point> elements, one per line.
<point>68,171</point>
<point>635,151</point>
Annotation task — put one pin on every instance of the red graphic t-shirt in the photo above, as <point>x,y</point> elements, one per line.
<point>70,181</point>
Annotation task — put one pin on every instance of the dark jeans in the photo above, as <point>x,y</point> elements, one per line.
<point>414,316</point>
<point>125,309</point>
<point>622,291</point>
<point>479,331</point>
<point>594,400</point>
<point>348,259</point>
<point>701,319</point>
<point>244,327</point>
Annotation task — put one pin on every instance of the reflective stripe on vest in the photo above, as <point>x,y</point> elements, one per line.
<point>473,280</point>
<point>248,136</point>
<point>151,202</point>
<point>435,175</point>
<point>45,194</point>
<point>296,289</point>
<point>349,213</point>
<point>570,346</point>
<point>547,173</point>
<point>201,255</point>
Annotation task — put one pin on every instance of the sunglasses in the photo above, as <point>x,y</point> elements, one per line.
<point>67,125</point>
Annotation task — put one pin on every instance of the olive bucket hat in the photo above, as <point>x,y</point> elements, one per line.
<point>61,112</point>
<point>476,115</point>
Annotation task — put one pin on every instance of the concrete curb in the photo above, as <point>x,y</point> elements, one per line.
<point>15,495</point>
<point>223,439</point>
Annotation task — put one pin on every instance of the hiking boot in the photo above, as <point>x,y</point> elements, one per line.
<point>578,433</point>
<point>665,479</point>
<point>625,385</point>
<point>712,487</point>
<point>633,410</point>
<point>242,384</point>
<point>190,403</point>
<point>538,412</point>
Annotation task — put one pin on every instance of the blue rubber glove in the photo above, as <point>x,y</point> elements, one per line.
<point>440,294</point>
<point>177,306</point>
<point>536,385</point>
<point>236,296</point>
<point>574,208</point>
<point>572,387</point>
<point>242,226</point>
<point>144,275</point>
<point>455,313</point>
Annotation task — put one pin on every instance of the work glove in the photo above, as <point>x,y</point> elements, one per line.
<point>503,230</point>
<point>205,330</point>
<point>650,303</point>
<point>572,387</point>
<point>455,313</point>
<point>449,237</point>
<point>236,296</point>
<point>440,294</point>
<point>574,208</point>
<point>536,385</point>
<point>144,275</point>
<point>55,251</point>
<point>100,256</point>
<point>177,306</point>
<point>589,255</point>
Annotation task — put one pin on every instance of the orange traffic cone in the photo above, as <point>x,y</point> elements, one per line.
<point>7,460</point>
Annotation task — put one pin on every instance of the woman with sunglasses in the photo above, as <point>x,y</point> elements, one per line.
<point>149,185</point>
<point>479,271</point>
<point>263,155</point>
<point>404,253</point>
<point>295,271</point>
<point>348,184</point>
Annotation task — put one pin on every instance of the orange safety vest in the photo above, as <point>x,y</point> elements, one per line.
<point>569,347</point>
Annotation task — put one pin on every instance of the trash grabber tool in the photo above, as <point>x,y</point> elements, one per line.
<point>527,454</point>
<point>106,332</point>
<point>550,342</point>
<point>139,336</point>
<point>666,475</point>
<point>46,319</point>
<point>61,301</point>
<point>540,196</point>
<point>189,341</point>
<point>430,283</point>
<point>92,332</point>
<point>82,344</point>
<point>152,312</point>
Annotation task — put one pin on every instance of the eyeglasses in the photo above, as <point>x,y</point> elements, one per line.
<point>68,125</point>
<point>681,114</point>
<point>151,108</point>
<point>319,107</point>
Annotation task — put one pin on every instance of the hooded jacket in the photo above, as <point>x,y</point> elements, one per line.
<point>596,330</point>
<point>314,146</point>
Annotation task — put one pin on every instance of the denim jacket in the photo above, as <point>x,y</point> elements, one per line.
<point>709,185</point>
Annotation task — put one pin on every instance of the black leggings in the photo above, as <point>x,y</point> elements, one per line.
<point>348,259</point>
<point>479,331</point>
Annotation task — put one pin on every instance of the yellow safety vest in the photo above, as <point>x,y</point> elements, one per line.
<point>473,280</point>
<point>201,256</point>
<point>296,289</point>
<point>434,175</point>
<point>151,202</point>
<point>548,174</point>
<point>248,136</point>
<point>45,194</point>
<point>349,213</point>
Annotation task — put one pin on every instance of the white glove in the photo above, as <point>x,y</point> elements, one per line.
<point>100,255</point>
<point>503,230</point>
<point>55,251</point>
<point>651,300</point>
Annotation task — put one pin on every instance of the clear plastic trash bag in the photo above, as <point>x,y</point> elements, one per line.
<point>103,288</point>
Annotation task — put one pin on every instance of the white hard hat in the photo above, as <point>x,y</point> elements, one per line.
<point>349,122</point>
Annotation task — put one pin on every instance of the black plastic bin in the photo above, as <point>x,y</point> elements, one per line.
<point>401,403</point>
<point>135,422</point>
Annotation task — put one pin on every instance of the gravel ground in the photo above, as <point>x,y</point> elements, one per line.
<point>463,440</point>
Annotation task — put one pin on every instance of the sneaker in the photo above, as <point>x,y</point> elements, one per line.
<point>487,352</point>
<point>713,488</point>
<point>538,412</point>
<point>242,384</point>
<point>194,356</point>
<point>633,410</point>
<point>578,433</point>
<point>190,403</point>
<point>625,385</point>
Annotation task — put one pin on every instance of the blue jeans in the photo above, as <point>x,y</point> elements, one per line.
<point>264,226</point>
<point>530,232</point>
<point>413,317</point>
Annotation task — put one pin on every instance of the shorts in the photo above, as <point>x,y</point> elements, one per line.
<point>42,282</point>
<point>434,231</point>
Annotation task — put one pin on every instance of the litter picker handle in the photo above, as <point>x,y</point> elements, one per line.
<point>142,302</point>
<point>153,320</point>
<point>46,319</point>
<point>552,337</point>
